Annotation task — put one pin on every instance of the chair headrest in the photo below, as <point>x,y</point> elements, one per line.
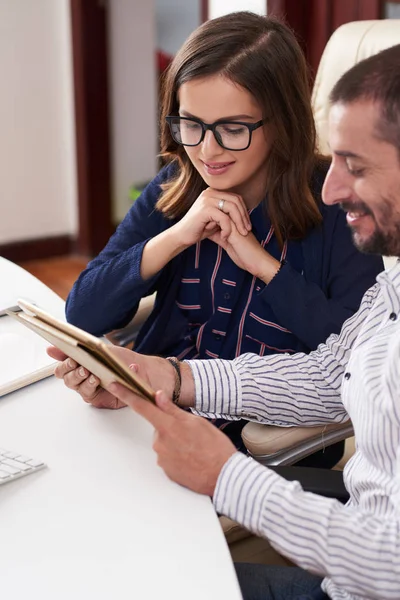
<point>348,45</point>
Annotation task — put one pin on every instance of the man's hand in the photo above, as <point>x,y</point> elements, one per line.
<point>190,450</point>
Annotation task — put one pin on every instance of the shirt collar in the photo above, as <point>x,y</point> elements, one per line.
<point>389,281</point>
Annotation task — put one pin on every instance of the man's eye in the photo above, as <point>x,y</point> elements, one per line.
<point>353,170</point>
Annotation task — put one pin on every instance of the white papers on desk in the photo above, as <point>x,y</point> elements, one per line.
<point>23,358</point>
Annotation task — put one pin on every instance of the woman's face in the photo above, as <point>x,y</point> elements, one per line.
<point>216,98</point>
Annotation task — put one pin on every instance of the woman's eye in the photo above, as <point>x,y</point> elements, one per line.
<point>232,130</point>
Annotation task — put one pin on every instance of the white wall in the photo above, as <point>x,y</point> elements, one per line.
<point>217,8</point>
<point>133,89</point>
<point>38,196</point>
<point>175,21</point>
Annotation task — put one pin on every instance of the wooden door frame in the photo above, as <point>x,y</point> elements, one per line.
<point>89,30</point>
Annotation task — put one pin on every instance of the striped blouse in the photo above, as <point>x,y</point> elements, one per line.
<point>356,373</point>
<point>227,309</point>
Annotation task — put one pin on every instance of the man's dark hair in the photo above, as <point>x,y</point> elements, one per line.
<point>375,79</point>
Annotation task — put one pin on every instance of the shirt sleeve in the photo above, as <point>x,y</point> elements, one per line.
<point>284,390</point>
<point>107,292</point>
<point>359,552</point>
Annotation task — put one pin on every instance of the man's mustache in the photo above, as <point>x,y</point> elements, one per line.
<point>355,207</point>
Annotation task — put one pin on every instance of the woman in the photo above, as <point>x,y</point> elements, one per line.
<point>231,234</point>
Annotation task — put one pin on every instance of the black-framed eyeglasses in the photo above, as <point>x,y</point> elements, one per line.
<point>231,135</point>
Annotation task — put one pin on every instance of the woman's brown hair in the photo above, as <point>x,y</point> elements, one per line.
<point>262,55</point>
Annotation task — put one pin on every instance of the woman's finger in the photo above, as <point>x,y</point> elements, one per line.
<point>223,220</point>
<point>233,205</point>
<point>232,209</point>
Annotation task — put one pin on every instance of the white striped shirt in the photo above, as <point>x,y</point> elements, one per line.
<point>357,373</point>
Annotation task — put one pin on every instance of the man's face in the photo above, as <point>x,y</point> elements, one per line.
<point>364,177</point>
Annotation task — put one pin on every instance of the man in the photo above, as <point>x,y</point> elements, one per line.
<point>344,552</point>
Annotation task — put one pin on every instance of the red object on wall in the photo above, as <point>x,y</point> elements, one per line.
<point>163,61</point>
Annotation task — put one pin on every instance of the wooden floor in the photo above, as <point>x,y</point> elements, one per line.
<point>57,273</point>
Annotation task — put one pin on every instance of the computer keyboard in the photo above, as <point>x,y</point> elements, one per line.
<point>14,465</point>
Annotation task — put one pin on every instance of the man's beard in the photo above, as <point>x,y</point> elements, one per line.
<point>383,243</point>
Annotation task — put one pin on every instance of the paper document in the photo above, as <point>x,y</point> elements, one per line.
<point>23,356</point>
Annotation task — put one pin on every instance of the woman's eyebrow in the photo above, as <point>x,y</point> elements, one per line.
<point>185,113</point>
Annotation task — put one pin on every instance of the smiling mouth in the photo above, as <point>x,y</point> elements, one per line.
<point>217,166</point>
<point>357,214</point>
<point>355,211</point>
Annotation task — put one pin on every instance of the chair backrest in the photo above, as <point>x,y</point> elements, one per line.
<point>349,44</point>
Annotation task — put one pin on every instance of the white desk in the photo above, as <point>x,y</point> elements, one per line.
<point>102,521</point>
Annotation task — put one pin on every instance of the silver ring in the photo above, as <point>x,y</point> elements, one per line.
<point>221,205</point>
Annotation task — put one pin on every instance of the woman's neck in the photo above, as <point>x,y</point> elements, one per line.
<point>253,192</point>
<point>252,196</point>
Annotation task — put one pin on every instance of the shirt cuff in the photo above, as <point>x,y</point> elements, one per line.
<point>218,391</point>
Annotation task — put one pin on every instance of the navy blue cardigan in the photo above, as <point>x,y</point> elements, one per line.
<point>312,305</point>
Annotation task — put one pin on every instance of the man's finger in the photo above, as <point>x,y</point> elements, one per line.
<point>55,353</point>
<point>167,406</point>
<point>146,409</point>
<point>65,367</point>
<point>75,378</point>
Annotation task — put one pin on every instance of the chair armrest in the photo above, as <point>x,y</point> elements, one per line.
<point>324,482</point>
<point>271,445</point>
<point>127,335</point>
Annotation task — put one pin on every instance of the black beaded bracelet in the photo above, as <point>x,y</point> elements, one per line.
<point>178,378</point>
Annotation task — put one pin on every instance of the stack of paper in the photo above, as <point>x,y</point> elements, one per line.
<point>23,356</point>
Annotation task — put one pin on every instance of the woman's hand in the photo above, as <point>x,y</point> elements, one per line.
<point>248,254</point>
<point>155,370</point>
<point>205,217</point>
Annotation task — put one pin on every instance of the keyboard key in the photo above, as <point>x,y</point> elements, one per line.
<point>10,454</point>
<point>35,463</point>
<point>17,465</point>
<point>20,458</point>
<point>14,465</point>
<point>8,469</point>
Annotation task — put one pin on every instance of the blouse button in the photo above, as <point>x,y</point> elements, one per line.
<point>227,296</point>
<point>347,375</point>
<point>392,316</point>
<point>217,337</point>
